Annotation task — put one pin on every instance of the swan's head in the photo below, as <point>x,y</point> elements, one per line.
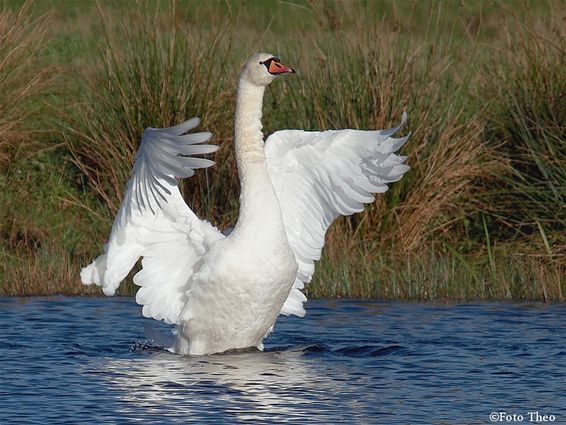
<point>262,68</point>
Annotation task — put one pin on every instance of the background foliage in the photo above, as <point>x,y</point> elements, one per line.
<point>481,215</point>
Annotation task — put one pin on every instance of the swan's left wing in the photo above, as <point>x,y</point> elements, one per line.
<point>318,176</point>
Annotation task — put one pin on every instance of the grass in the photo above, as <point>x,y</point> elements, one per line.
<point>527,116</point>
<point>436,273</point>
<point>480,216</point>
<point>23,79</point>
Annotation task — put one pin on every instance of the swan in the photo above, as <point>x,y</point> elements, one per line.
<point>225,292</point>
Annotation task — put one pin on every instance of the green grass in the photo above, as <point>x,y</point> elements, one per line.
<point>435,273</point>
<point>480,215</point>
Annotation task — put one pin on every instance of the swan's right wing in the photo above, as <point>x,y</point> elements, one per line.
<point>155,223</point>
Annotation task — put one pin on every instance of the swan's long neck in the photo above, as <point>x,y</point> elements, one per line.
<point>258,203</point>
<point>248,137</point>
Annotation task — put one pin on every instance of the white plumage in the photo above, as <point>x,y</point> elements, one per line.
<point>225,292</point>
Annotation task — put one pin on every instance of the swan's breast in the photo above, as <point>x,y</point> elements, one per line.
<point>237,295</point>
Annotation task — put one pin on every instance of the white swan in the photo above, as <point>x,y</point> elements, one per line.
<point>225,292</point>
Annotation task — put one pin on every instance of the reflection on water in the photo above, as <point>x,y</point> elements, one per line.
<point>71,360</point>
<point>247,385</point>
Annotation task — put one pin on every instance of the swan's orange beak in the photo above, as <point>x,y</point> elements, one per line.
<point>275,67</point>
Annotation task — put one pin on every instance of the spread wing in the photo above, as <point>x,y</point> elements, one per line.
<point>318,176</point>
<point>155,223</point>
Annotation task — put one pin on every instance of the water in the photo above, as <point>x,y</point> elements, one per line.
<point>88,361</point>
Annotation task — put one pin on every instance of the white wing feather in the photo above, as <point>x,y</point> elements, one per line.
<point>155,223</point>
<point>318,176</point>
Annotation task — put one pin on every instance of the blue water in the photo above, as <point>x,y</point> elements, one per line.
<point>89,361</point>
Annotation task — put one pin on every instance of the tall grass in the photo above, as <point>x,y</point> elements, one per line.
<point>161,76</point>
<point>22,77</point>
<point>382,77</point>
<point>24,83</point>
<point>481,213</point>
<point>433,274</point>
<point>45,270</point>
<point>359,76</point>
<point>150,75</point>
<point>528,116</point>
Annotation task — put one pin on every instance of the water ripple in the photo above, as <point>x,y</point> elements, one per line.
<point>87,360</point>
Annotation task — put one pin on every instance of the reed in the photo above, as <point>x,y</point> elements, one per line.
<point>480,215</point>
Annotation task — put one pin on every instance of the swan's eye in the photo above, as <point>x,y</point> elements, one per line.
<point>261,62</point>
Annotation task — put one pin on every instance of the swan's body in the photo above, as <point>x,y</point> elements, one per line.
<point>225,292</point>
